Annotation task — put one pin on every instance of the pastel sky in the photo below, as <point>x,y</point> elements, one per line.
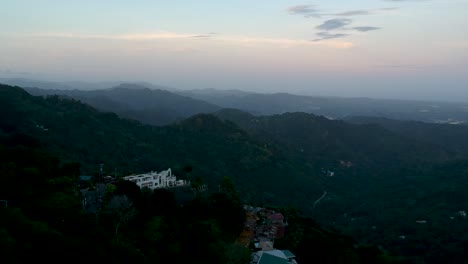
<point>411,49</point>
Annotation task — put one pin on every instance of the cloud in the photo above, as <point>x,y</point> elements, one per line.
<point>333,24</point>
<point>284,42</point>
<point>148,36</point>
<point>326,35</point>
<point>365,29</point>
<point>313,11</point>
<point>304,10</point>
<point>354,13</point>
<point>201,37</point>
<point>389,8</point>
<point>232,39</point>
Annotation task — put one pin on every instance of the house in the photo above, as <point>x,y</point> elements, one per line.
<point>277,222</point>
<point>157,180</point>
<point>273,225</point>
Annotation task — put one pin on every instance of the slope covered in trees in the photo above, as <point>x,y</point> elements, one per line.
<point>362,179</point>
<point>44,214</point>
<point>76,132</point>
<point>450,136</point>
<point>41,217</point>
<point>410,189</point>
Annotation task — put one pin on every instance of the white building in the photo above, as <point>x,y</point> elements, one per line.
<point>155,180</point>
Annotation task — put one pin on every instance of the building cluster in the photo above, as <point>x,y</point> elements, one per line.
<point>92,194</point>
<point>261,228</point>
<point>271,225</point>
<point>156,180</point>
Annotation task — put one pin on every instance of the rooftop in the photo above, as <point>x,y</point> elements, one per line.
<point>271,259</point>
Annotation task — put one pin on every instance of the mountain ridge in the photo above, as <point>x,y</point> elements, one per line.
<point>155,107</point>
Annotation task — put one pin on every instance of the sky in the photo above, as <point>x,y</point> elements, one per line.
<point>405,49</point>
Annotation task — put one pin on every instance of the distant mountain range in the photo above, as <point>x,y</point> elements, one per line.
<point>335,107</point>
<point>150,106</point>
<point>209,100</point>
<point>76,85</point>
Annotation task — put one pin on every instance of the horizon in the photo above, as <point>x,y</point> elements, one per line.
<point>175,90</point>
<point>379,49</point>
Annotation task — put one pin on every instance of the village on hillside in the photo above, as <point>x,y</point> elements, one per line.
<point>261,228</point>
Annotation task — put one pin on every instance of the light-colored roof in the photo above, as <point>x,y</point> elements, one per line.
<point>276,253</point>
<point>270,259</point>
<point>288,254</point>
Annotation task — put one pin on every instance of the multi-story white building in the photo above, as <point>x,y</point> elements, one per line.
<point>155,180</point>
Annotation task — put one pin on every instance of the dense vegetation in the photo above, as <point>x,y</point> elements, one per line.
<point>44,218</point>
<point>375,183</point>
<point>452,137</point>
<point>400,190</point>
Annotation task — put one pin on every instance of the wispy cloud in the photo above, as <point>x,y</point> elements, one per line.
<point>233,39</point>
<point>327,35</point>
<point>354,13</point>
<point>304,10</point>
<point>340,22</point>
<point>333,24</point>
<point>389,8</point>
<point>313,11</point>
<point>365,29</point>
<point>205,36</point>
<point>201,37</point>
<point>285,42</point>
<point>147,36</point>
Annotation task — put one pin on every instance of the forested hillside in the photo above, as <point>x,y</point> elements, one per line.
<point>409,188</point>
<point>452,136</point>
<point>361,179</point>
<point>43,142</point>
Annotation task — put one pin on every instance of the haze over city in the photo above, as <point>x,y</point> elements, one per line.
<point>374,48</point>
